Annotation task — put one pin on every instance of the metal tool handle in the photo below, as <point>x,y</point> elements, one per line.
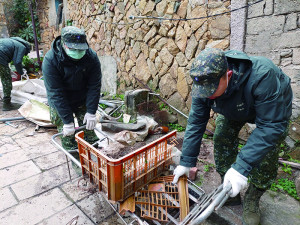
<point>67,153</point>
<point>218,201</point>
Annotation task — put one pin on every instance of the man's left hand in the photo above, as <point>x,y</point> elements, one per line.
<point>90,120</point>
<point>237,180</point>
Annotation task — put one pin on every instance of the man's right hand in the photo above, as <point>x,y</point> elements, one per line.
<point>68,129</point>
<point>179,171</point>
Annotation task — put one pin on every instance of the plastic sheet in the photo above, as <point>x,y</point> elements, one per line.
<point>26,90</point>
<point>36,112</point>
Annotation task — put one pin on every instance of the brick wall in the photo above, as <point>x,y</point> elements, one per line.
<point>273,30</point>
<point>159,53</point>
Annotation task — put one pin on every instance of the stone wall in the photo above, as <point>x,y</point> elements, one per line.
<point>159,53</point>
<point>273,30</point>
<point>3,27</point>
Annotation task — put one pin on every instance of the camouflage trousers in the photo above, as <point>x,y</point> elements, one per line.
<point>5,80</point>
<point>69,142</point>
<point>226,149</point>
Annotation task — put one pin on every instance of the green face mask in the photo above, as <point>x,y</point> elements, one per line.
<point>74,53</point>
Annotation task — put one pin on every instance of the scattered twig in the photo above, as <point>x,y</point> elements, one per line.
<point>73,221</point>
<point>292,164</point>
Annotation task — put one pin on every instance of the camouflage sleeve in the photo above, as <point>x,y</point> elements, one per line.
<point>198,118</point>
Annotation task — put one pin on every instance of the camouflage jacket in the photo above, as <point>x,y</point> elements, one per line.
<point>13,49</point>
<point>258,92</point>
<point>69,83</point>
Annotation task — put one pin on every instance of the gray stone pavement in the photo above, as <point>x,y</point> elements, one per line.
<point>35,187</point>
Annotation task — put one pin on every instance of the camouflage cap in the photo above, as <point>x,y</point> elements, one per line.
<point>74,38</point>
<point>206,70</point>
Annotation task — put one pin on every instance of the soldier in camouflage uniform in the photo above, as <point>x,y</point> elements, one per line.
<point>240,89</point>
<point>11,49</point>
<point>72,76</point>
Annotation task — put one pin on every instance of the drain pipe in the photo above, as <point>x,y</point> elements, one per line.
<point>34,33</point>
<point>164,101</point>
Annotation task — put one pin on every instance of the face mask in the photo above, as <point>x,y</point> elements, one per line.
<point>74,53</point>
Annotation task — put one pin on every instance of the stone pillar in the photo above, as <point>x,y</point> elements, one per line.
<point>238,25</point>
<point>3,27</point>
<point>133,98</point>
<point>109,74</point>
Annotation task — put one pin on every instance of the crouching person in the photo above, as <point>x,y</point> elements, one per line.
<point>72,76</point>
<point>11,49</point>
<point>241,89</point>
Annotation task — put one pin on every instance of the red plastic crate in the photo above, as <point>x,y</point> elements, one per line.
<point>120,178</point>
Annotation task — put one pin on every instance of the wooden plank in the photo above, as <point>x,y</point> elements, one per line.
<point>127,205</point>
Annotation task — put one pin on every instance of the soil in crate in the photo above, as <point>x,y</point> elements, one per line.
<point>116,150</point>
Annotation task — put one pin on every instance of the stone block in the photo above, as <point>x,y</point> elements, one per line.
<point>12,158</point>
<point>96,207</point>
<point>42,182</point>
<point>220,27</point>
<point>193,173</point>
<point>294,131</point>
<point>18,172</point>
<point>270,24</point>
<point>36,209</point>
<point>8,147</point>
<point>143,72</point>
<point>286,61</point>
<point>30,141</point>
<point>191,47</point>
<point>293,72</point>
<point>51,160</point>
<point>291,22</point>
<point>66,216</point>
<point>296,56</point>
<point>286,6</point>
<point>273,205</point>
<point>167,85</point>
<point>297,183</point>
<point>182,85</point>
<point>260,9</point>
<point>75,193</point>
<point>222,44</point>
<point>40,150</point>
<point>259,43</point>
<point>176,101</point>
<point>7,199</point>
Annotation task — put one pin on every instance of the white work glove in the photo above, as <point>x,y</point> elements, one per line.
<point>68,129</point>
<point>90,120</point>
<point>237,181</point>
<point>179,171</point>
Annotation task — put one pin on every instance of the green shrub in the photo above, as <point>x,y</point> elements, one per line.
<point>175,126</point>
<point>286,168</point>
<point>20,16</point>
<point>285,185</point>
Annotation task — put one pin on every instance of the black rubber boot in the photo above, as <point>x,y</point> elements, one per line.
<point>8,106</point>
<point>237,200</point>
<point>251,212</point>
<point>74,166</point>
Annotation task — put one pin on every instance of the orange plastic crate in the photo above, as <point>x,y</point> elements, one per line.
<point>120,178</point>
